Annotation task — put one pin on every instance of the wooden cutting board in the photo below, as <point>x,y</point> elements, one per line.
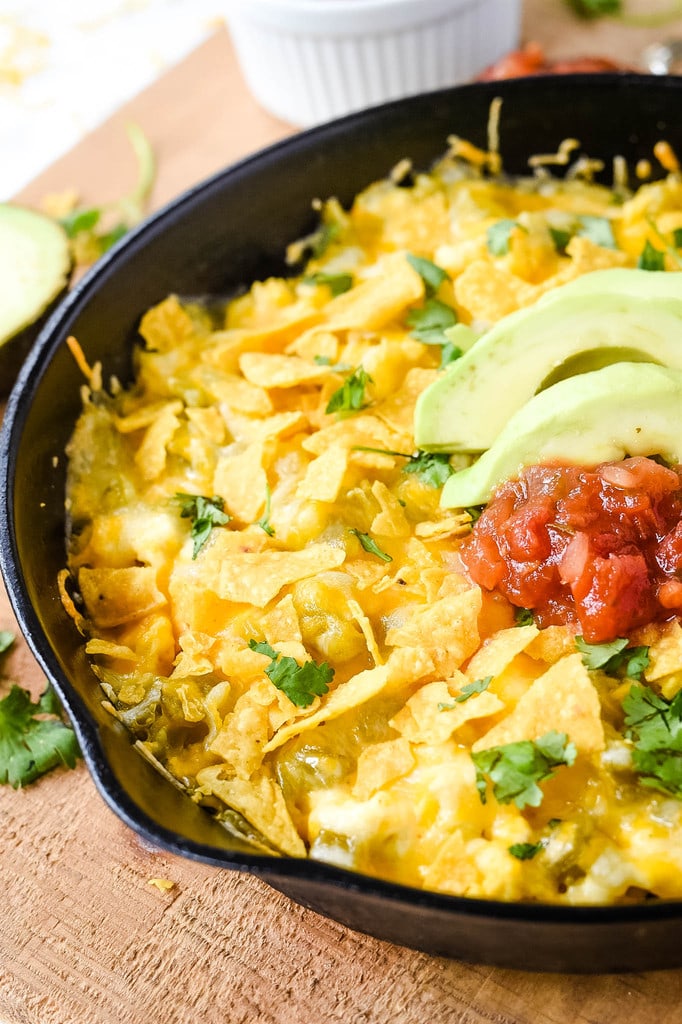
<point>85,938</point>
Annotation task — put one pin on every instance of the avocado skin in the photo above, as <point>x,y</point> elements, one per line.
<point>606,316</point>
<point>623,409</point>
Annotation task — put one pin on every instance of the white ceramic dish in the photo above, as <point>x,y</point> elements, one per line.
<point>308,61</point>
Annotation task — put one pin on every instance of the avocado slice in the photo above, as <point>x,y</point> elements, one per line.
<point>35,264</point>
<point>623,409</point>
<point>605,317</point>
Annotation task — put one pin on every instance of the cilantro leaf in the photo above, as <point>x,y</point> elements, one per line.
<point>431,274</point>
<point>432,468</point>
<point>371,545</point>
<point>651,258</point>
<point>655,727</point>
<point>264,521</point>
<point>337,283</point>
<point>614,658</point>
<point>561,238</point>
<point>467,691</point>
<point>498,238</point>
<point>515,769</point>
<point>300,683</point>
<point>31,746</point>
<point>448,354</point>
<point>350,397</point>
<point>525,851</point>
<point>677,238</point>
<point>595,8</point>
<point>475,512</point>
<point>205,513</point>
<point>523,617</point>
<point>598,230</point>
<point>80,220</point>
<point>327,361</point>
<point>6,640</point>
<point>430,321</point>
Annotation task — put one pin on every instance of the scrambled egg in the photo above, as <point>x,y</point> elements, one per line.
<point>272,598</point>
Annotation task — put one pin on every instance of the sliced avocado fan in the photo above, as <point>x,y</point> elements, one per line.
<point>35,263</point>
<point>608,414</point>
<point>605,317</point>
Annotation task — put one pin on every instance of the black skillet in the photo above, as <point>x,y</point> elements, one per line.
<point>230,230</point>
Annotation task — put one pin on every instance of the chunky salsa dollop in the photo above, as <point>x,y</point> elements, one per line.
<point>598,548</point>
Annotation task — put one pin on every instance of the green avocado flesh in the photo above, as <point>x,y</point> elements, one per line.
<point>34,268</point>
<point>623,409</point>
<point>605,317</point>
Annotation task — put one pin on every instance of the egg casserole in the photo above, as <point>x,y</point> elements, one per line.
<point>273,599</point>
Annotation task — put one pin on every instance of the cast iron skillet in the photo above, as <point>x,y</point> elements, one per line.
<point>230,230</point>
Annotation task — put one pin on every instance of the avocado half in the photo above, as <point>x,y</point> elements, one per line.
<point>623,409</point>
<point>604,317</point>
<point>35,267</point>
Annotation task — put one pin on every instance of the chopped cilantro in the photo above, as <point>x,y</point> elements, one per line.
<point>525,851</point>
<point>300,683</point>
<point>595,8</point>
<point>515,769</point>
<point>614,658</point>
<point>432,468</point>
<point>475,512</point>
<point>431,274</point>
<point>499,235</point>
<point>677,238</point>
<point>598,230</point>
<point>350,397</point>
<point>655,727</point>
<point>316,244</point>
<point>523,617</point>
<point>370,545</point>
<point>205,513</point>
<point>80,220</point>
<point>6,640</point>
<point>326,361</point>
<point>429,321</point>
<point>560,238</point>
<point>651,258</point>
<point>337,283</point>
<point>467,691</point>
<point>264,521</point>
<point>31,746</point>
<point>448,354</point>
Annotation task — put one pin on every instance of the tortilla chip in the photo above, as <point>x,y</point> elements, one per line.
<point>398,409</point>
<point>363,429</point>
<point>391,521</point>
<point>208,422</point>
<point>367,631</point>
<point>237,394</point>
<point>380,764</point>
<point>316,341</point>
<point>260,801</point>
<point>248,428</point>
<point>278,371</point>
<point>552,643</point>
<point>324,476</point>
<point>151,455</point>
<point>665,653</point>
<point>110,650</point>
<point>373,303</point>
<point>242,482</point>
<point>458,525</point>
<point>432,714</point>
<point>488,292</point>
<point>145,416</point>
<point>563,699</point>
<point>167,325</point>
<point>500,650</point>
<point>450,624</point>
<point>115,596</point>
<point>257,577</point>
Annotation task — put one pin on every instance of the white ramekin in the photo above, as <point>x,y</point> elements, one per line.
<point>307,61</point>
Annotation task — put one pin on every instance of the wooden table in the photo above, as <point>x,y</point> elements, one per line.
<point>84,937</point>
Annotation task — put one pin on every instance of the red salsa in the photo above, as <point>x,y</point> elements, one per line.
<point>599,549</point>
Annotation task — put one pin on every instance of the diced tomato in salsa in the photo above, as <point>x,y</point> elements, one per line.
<point>599,549</point>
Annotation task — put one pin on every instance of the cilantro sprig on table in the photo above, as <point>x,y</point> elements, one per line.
<point>516,769</point>
<point>204,513</point>
<point>655,728</point>
<point>33,737</point>
<point>300,683</point>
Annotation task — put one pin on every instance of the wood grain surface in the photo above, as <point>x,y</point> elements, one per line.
<point>85,938</point>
